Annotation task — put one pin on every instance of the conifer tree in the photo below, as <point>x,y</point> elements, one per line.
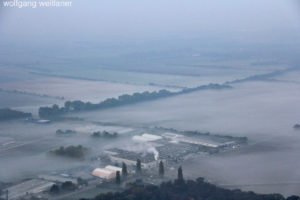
<point>124,170</point>
<point>118,178</point>
<point>138,166</point>
<point>161,170</point>
<point>180,175</point>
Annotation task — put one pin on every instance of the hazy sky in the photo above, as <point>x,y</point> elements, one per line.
<point>259,20</point>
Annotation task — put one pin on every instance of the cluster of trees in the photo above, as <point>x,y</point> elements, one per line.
<point>70,151</point>
<point>65,132</point>
<point>104,134</point>
<point>64,187</point>
<point>8,114</point>
<point>181,189</point>
<point>75,106</point>
<point>49,112</point>
<point>297,126</point>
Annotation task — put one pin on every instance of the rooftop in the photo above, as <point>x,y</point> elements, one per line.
<point>146,137</point>
<point>113,168</point>
<point>177,150</point>
<point>130,155</point>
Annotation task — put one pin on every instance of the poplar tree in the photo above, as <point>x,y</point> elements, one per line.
<point>180,175</point>
<point>161,170</point>
<point>138,166</point>
<point>118,178</point>
<point>124,170</point>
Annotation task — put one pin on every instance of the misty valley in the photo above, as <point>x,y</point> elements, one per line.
<point>212,131</point>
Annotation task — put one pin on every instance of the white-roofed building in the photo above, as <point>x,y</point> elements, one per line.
<point>146,137</point>
<point>113,168</point>
<point>139,138</point>
<point>152,137</point>
<point>104,173</point>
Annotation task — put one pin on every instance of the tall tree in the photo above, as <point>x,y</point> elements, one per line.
<point>138,166</point>
<point>180,175</point>
<point>161,170</point>
<point>54,189</point>
<point>68,186</point>
<point>118,178</point>
<point>124,170</point>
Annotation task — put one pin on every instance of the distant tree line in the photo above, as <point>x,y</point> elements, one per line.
<point>30,93</point>
<point>297,126</point>
<point>70,151</point>
<point>8,114</point>
<point>75,106</point>
<point>242,140</point>
<point>104,134</point>
<point>181,189</point>
<point>65,132</point>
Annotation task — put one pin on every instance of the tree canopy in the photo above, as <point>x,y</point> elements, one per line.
<point>191,189</point>
<point>8,114</point>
